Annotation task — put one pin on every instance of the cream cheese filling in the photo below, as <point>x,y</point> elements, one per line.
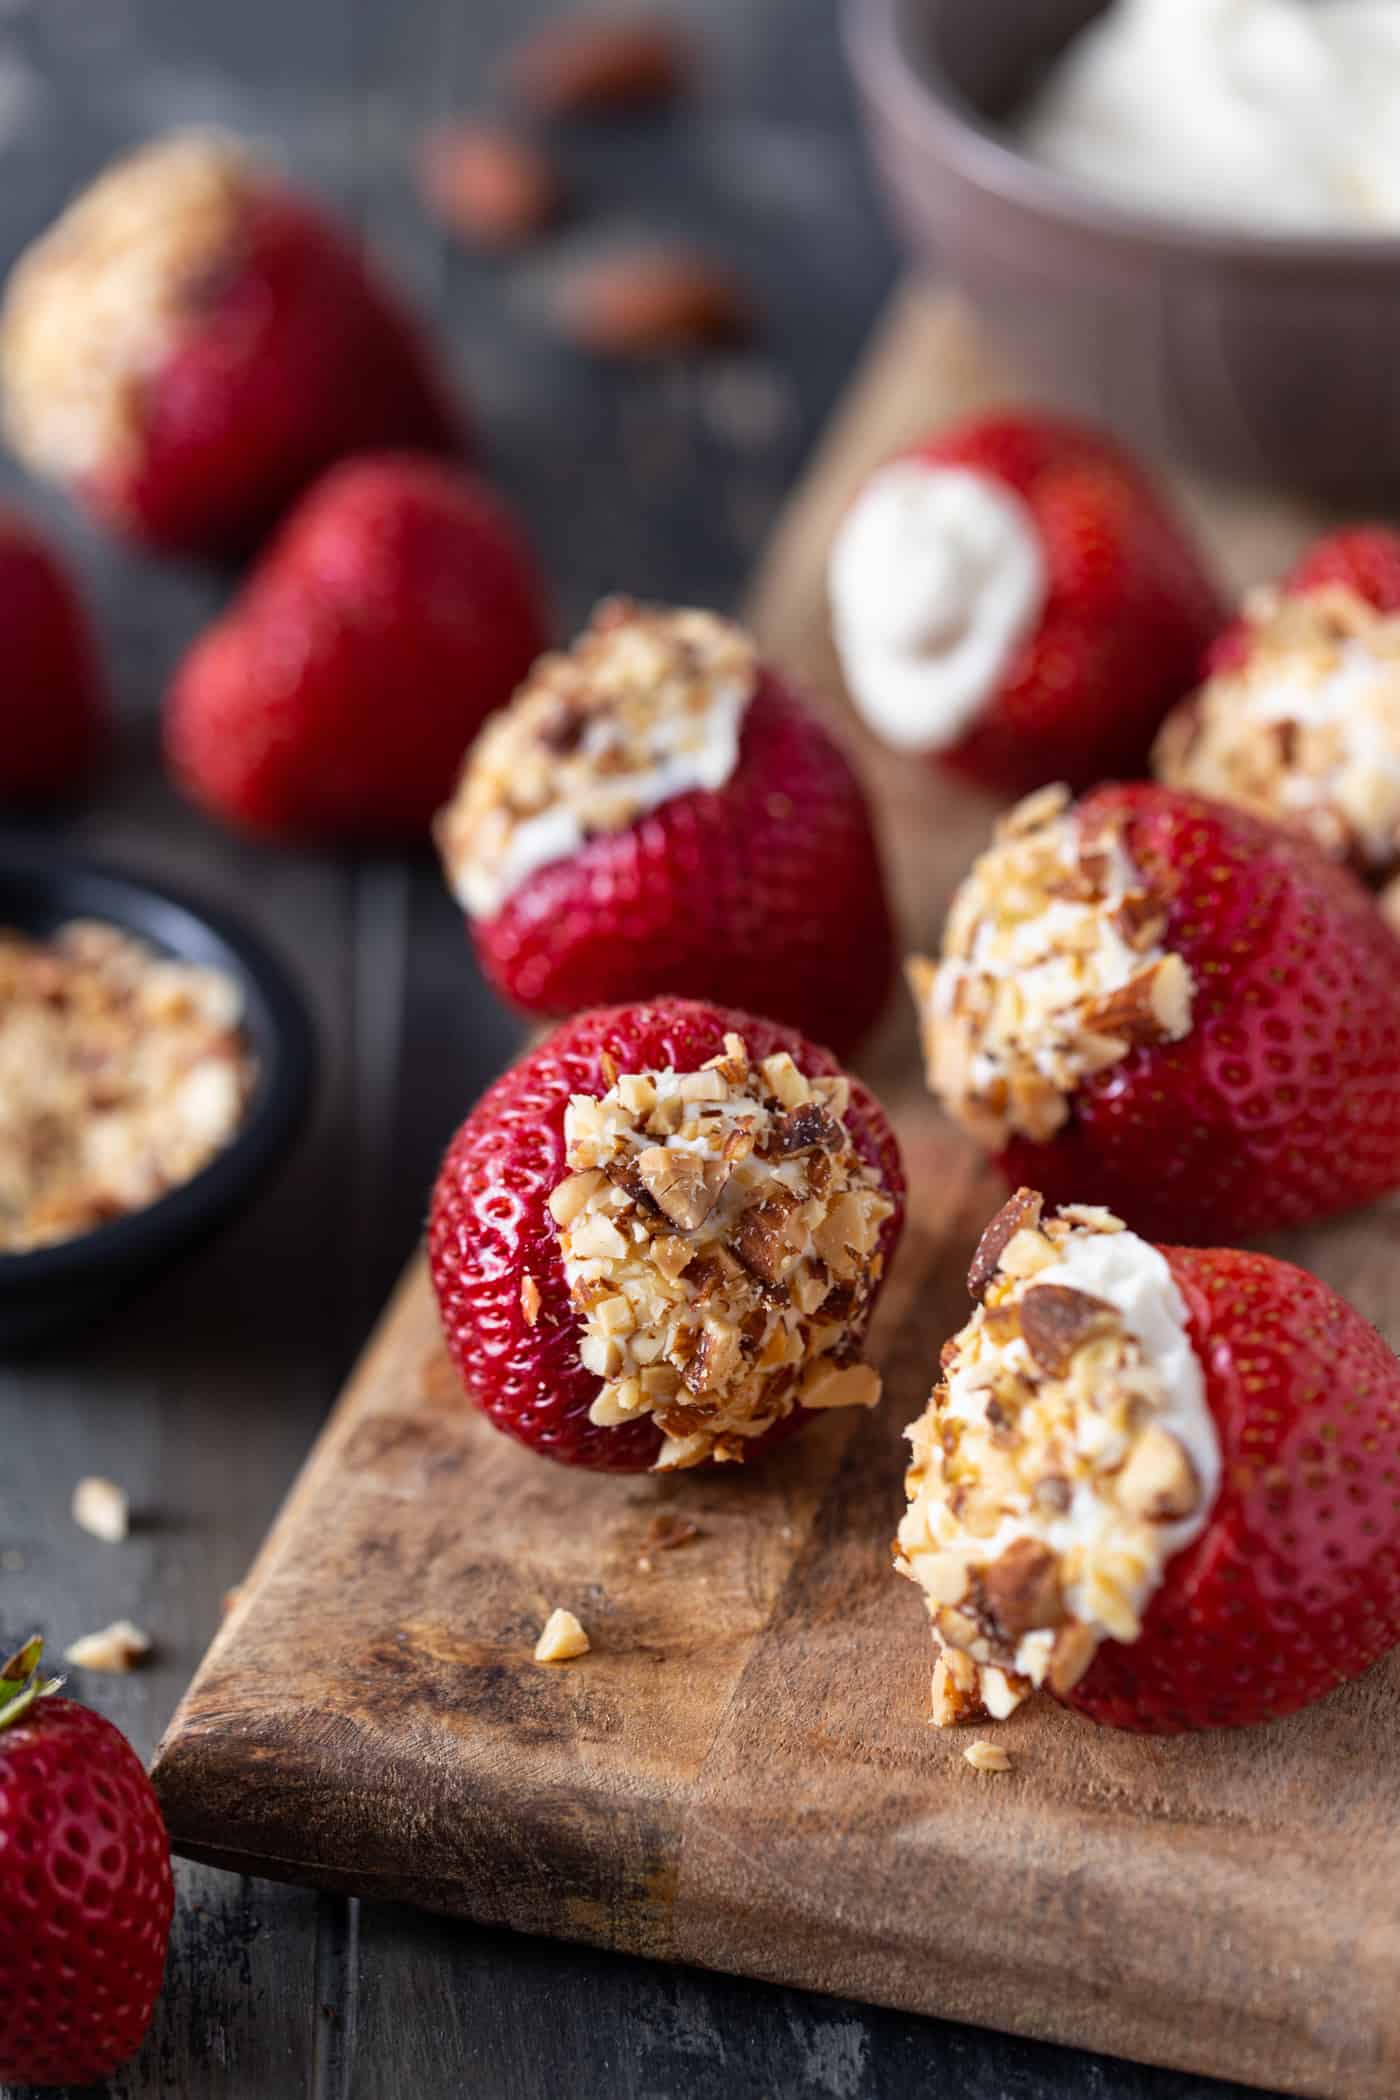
<point>1066,1456</point>
<point>936,576</point>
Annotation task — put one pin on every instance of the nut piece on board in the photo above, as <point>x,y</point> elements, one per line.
<point>598,65</point>
<point>650,301</point>
<point>987,1757</point>
<point>490,187</point>
<point>563,1638</point>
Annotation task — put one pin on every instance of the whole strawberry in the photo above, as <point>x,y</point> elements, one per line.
<point>1299,720</point>
<point>394,610</point>
<point>1015,598</point>
<point>1154,1001</point>
<point>52,705</point>
<point>657,1240</point>
<point>85,1888</point>
<point>1148,1480</point>
<point>658,812</point>
<point>193,342</point>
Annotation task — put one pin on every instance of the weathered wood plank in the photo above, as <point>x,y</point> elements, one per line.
<point>738,1776</point>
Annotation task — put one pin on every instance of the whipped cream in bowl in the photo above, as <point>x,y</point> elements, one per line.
<point>1272,115</point>
<point>936,577</point>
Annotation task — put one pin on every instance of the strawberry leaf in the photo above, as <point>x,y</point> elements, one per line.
<point>20,1682</point>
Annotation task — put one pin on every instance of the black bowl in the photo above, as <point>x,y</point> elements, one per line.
<point>59,1287</point>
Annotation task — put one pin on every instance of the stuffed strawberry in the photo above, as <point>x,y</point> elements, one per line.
<point>394,610</point>
<point>85,1888</point>
<point>1157,1002</point>
<point>658,812</point>
<point>1300,717</point>
<point>657,1240</point>
<point>1148,1479</point>
<point>193,342</point>
<point>52,704</point>
<point>1015,598</point>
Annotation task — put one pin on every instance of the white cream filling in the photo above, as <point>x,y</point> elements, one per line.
<point>936,576</point>
<point>689,751</point>
<point>1273,113</point>
<point>1090,1534</point>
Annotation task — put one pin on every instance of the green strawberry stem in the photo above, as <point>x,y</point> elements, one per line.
<point>20,1682</point>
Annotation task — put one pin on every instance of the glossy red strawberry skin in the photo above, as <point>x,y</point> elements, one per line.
<point>53,706</point>
<point>766,893</point>
<point>396,608</point>
<point>1129,616</point>
<point>85,1897</point>
<point>295,356</point>
<point>490,1226</point>
<point>1293,1587</point>
<point>1282,1104</point>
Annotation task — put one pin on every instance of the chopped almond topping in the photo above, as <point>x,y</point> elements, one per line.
<point>1305,728</point>
<point>1065,1455</point>
<point>721,1240</point>
<point>1051,971</point>
<point>988,1757</point>
<point>95,306</point>
<point>529,1300</point>
<point>647,705</point>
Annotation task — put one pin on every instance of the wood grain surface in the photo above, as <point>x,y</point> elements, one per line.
<point>739,1775</point>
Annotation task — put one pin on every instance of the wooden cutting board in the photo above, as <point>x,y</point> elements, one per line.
<point>740,1774</point>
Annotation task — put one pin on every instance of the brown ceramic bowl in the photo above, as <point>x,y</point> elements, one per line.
<point>1274,356</point>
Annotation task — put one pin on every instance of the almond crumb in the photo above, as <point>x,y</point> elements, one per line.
<point>987,1757</point>
<point>529,1299</point>
<point>119,1646</point>
<point>101,1507</point>
<point>563,1638</point>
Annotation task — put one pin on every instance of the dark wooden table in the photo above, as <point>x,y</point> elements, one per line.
<point>203,1396</point>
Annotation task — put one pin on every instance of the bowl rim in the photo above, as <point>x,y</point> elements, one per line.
<point>282,1037</point>
<point>925,103</point>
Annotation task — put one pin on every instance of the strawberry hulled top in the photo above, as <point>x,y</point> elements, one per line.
<point>647,705</point>
<point>1301,723</point>
<point>1053,969</point>
<point>95,306</point>
<point>1067,1453</point>
<point>721,1237</point>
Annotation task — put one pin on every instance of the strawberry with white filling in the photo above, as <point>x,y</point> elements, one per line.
<point>1300,718</point>
<point>1147,1482</point>
<point>657,812</point>
<point>1015,598</point>
<point>1161,1003</point>
<point>658,1239</point>
<point>192,342</point>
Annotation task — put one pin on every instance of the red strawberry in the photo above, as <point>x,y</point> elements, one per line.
<point>708,1237</point>
<point>1181,1481</point>
<point>54,705</point>
<point>1204,1029</point>
<point>394,610</point>
<point>193,343</point>
<point>1299,720</point>
<point>85,1888</point>
<point>1016,598</point>
<point>658,812</point>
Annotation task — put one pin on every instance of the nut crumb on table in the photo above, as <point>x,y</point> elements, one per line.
<point>119,1647</point>
<point>102,1508</point>
<point>122,1075</point>
<point>987,1757</point>
<point>562,1639</point>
